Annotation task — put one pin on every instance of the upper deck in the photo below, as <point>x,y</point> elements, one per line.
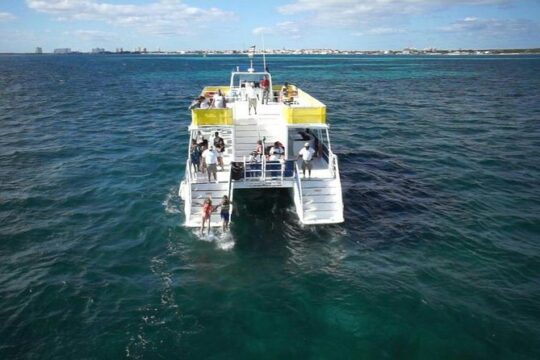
<point>296,108</point>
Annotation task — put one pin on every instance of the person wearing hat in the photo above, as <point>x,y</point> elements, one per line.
<point>307,156</point>
<point>210,157</point>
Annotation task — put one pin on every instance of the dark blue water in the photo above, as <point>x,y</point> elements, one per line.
<point>439,256</point>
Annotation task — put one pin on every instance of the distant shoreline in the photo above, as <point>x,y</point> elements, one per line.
<point>330,52</point>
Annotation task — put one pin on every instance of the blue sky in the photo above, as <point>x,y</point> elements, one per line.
<point>206,24</point>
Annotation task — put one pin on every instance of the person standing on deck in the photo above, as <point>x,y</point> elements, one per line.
<point>207,210</point>
<point>307,156</point>
<point>218,101</point>
<point>225,212</point>
<point>252,98</point>
<point>219,145</point>
<point>195,155</point>
<point>210,158</point>
<point>265,86</point>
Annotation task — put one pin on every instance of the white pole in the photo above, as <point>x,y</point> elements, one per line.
<point>264,52</point>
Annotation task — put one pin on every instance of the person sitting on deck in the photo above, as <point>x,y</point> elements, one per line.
<point>205,103</point>
<point>196,104</point>
<point>277,152</point>
<point>256,155</point>
<point>285,92</point>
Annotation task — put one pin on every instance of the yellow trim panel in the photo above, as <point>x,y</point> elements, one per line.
<point>201,117</point>
<point>304,115</point>
<point>304,109</point>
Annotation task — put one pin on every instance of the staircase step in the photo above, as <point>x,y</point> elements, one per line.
<point>211,186</point>
<point>322,191</point>
<point>318,207</point>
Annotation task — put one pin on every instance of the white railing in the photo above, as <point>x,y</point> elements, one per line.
<point>251,171</point>
<point>264,170</point>
<point>270,170</point>
<point>333,164</point>
<point>298,182</point>
<point>187,189</point>
<point>231,195</point>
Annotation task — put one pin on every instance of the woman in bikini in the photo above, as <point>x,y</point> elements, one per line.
<point>207,210</point>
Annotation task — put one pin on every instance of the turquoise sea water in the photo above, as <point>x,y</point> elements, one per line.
<point>439,257</point>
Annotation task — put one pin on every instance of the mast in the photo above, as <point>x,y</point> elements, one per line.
<point>251,52</point>
<point>264,52</point>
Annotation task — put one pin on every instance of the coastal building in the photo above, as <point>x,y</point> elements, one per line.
<point>62,51</point>
<point>39,50</point>
<point>98,51</point>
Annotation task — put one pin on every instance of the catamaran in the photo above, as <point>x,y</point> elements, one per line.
<point>290,119</point>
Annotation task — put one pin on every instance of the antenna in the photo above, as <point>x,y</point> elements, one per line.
<point>264,51</point>
<point>251,52</point>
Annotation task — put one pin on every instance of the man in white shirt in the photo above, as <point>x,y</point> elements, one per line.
<point>210,158</point>
<point>307,156</point>
<point>252,98</point>
<point>218,101</point>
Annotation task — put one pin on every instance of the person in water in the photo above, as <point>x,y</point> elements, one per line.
<point>225,212</point>
<point>207,210</point>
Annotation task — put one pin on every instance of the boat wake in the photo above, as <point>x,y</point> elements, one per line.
<point>222,240</point>
<point>171,202</point>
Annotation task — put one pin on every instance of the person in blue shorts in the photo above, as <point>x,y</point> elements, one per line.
<point>225,212</point>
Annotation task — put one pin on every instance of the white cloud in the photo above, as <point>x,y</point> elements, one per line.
<point>93,35</point>
<point>5,16</point>
<point>158,17</point>
<point>380,31</point>
<point>346,12</point>
<point>491,27</point>
<point>290,29</point>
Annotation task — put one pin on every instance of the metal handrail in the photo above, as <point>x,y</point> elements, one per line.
<point>299,185</point>
<point>333,164</point>
<point>187,198</point>
<point>274,169</point>
<point>230,196</point>
<point>336,166</point>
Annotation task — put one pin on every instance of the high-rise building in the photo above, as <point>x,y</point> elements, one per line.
<point>39,50</point>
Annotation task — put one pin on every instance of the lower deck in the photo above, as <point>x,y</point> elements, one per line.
<point>315,203</point>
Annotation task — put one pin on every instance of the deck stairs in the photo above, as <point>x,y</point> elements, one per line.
<point>322,201</point>
<point>199,192</point>
<point>250,129</point>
